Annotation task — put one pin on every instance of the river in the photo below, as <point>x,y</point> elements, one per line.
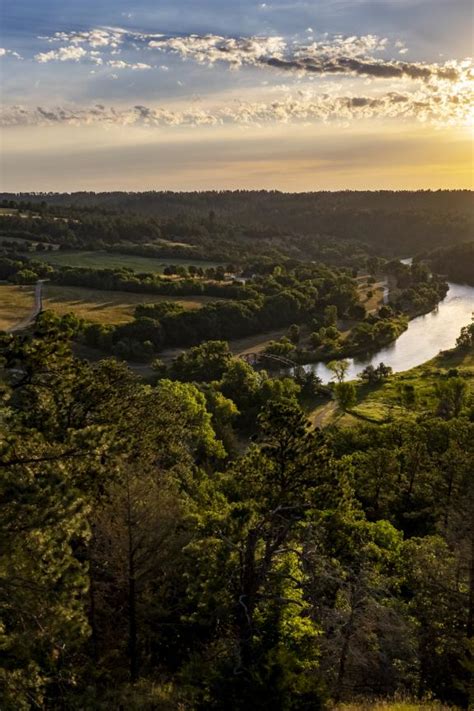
<point>424,338</point>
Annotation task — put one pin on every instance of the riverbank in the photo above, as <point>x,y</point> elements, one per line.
<point>404,395</point>
<point>357,340</point>
<point>423,339</point>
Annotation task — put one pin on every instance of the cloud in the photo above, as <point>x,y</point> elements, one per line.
<point>426,106</point>
<point>120,64</point>
<point>63,54</point>
<point>336,55</point>
<point>95,37</point>
<point>101,37</point>
<point>9,53</point>
<point>208,49</point>
<point>378,69</point>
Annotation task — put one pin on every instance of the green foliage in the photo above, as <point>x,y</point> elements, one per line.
<point>465,340</point>
<point>206,362</point>
<point>330,315</point>
<point>339,368</point>
<point>452,395</point>
<point>373,375</point>
<point>294,333</point>
<point>345,394</point>
<point>195,544</point>
<point>284,347</point>
<point>456,261</point>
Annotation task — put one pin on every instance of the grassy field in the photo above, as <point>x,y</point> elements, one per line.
<point>371,295</point>
<point>7,211</point>
<point>381,403</point>
<point>107,307</point>
<point>16,302</point>
<point>106,260</point>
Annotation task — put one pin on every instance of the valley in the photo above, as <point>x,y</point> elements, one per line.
<point>228,443</point>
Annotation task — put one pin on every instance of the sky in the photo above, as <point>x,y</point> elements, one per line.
<point>291,95</point>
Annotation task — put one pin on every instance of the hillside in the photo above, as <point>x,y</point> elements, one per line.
<point>398,223</point>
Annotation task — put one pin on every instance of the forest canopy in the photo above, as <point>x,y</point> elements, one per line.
<point>148,562</point>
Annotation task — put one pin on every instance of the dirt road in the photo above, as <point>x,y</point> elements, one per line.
<point>38,305</point>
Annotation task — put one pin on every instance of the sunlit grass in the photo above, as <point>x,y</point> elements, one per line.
<point>381,403</point>
<point>16,302</point>
<point>109,260</point>
<point>106,307</point>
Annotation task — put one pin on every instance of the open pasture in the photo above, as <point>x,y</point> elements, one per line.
<point>16,302</point>
<point>106,307</point>
<point>111,260</point>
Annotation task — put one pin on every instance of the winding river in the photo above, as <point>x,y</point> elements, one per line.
<point>424,338</point>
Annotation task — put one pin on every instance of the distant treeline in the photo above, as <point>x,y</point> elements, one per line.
<point>456,262</point>
<point>395,223</point>
<point>187,237</point>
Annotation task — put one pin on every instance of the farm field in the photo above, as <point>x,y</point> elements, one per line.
<point>107,260</point>
<point>106,307</point>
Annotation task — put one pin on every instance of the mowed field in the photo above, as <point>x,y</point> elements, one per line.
<point>106,260</point>
<point>107,307</point>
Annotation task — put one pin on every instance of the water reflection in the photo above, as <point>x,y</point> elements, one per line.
<point>425,337</point>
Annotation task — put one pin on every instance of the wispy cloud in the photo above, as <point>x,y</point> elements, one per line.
<point>101,37</point>
<point>9,53</point>
<point>120,64</point>
<point>336,55</point>
<point>424,106</point>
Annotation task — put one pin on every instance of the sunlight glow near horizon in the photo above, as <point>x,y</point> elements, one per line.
<point>165,103</point>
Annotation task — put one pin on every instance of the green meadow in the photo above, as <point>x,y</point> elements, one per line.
<point>108,260</point>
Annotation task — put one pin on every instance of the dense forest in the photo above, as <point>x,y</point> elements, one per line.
<point>456,262</point>
<point>155,557</point>
<point>394,223</point>
<point>185,533</point>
